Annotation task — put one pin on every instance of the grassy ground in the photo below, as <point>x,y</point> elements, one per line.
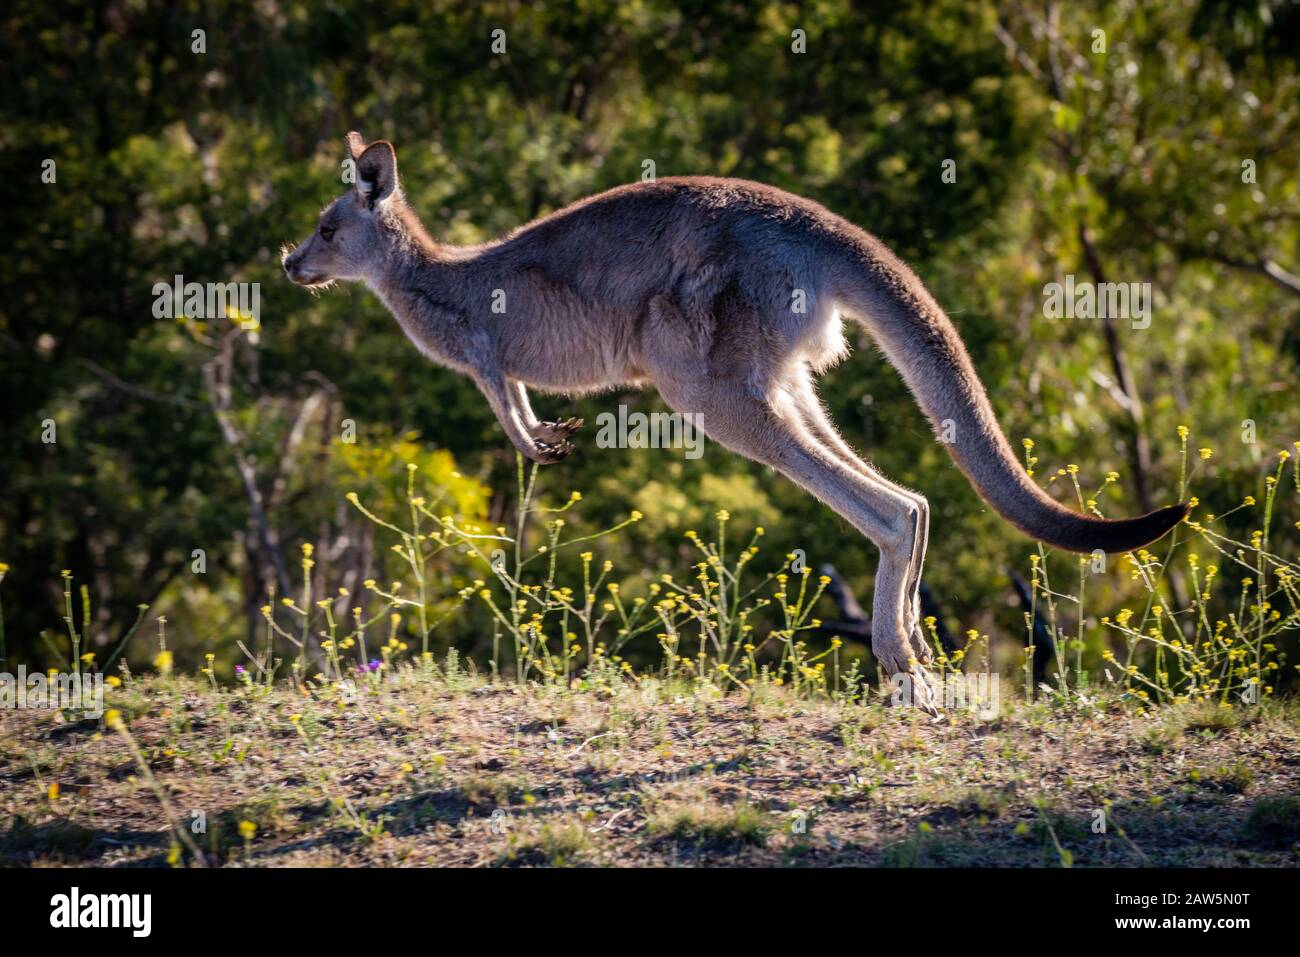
<point>426,770</point>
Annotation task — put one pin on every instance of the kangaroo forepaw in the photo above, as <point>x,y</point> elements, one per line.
<point>548,453</point>
<point>554,433</point>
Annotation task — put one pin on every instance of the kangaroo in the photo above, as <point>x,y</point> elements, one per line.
<point>693,285</point>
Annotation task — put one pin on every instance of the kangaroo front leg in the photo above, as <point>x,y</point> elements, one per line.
<point>553,433</point>
<point>505,406</point>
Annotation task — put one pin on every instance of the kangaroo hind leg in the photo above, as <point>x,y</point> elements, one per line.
<point>774,434</point>
<point>819,425</point>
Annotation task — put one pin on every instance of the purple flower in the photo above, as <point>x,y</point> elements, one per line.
<point>374,664</point>
<point>239,669</point>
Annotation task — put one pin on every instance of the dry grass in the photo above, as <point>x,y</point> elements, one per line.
<point>414,772</point>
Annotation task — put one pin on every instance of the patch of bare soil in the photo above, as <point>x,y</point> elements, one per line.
<point>420,771</point>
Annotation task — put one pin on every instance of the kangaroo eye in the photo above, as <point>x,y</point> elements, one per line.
<point>327,233</point>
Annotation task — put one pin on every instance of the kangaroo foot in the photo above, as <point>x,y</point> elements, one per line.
<point>920,644</point>
<point>909,682</point>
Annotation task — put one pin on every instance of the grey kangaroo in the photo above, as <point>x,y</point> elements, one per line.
<point>727,296</point>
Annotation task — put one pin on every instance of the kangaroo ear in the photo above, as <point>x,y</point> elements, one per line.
<point>356,145</point>
<point>377,173</point>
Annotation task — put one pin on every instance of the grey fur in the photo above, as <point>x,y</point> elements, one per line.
<point>688,284</point>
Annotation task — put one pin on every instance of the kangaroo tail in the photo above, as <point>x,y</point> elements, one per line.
<point>920,341</point>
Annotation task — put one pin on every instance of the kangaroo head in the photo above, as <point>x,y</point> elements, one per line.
<point>352,235</point>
